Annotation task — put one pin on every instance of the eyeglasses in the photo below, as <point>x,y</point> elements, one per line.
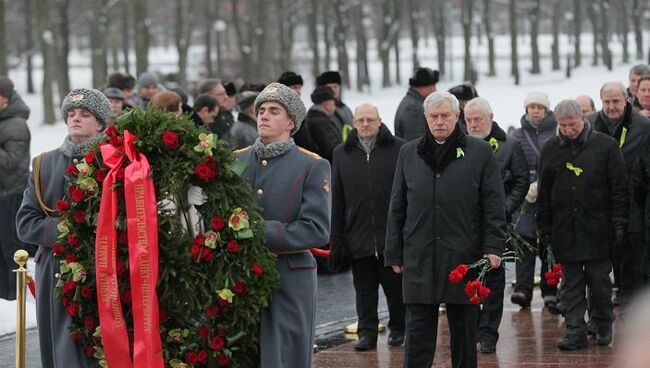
<point>365,120</point>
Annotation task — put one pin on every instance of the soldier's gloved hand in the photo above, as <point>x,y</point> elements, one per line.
<point>531,196</point>
<point>196,196</point>
<point>340,258</point>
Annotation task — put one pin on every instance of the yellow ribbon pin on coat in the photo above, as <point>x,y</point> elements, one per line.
<point>494,143</point>
<point>460,153</point>
<point>576,170</point>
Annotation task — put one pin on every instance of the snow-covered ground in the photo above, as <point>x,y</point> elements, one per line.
<point>506,98</point>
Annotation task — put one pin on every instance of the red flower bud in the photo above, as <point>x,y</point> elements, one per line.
<point>217,343</point>
<point>62,205</point>
<point>217,223</point>
<point>170,140</point>
<point>232,246</point>
<point>240,287</point>
<point>257,270</point>
<point>90,157</point>
<point>79,216</point>
<point>72,309</point>
<point>203,331</point>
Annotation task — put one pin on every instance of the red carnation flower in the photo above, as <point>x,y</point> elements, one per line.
<point>257,270</point>
<point>203,331</point>
<point>223,360</point>
<point>90,157</point>
<point>79,216</point>
<point>455,276</point>
<point>474,299</point>
<point>72,309</point>
<point>191,358</point>
<point>77,194</point>
<point>170,140</point>
<point>62,205</point>
<point>74,240</point>
<point>199,239</point>
<point>484,292</point>
<point>232,246</point>
<point>111,130</point>
<point>71,258</point>
<point>240,287</point>
<point>217,223</point>
<point>557,267</point>
<point>71,170</point>
<point>100,175</point>
<point>202,357</point>
<point>90,323</point>
<point>552,282</point>
<point>212,311</point>
<point>58,249</point>
<point>207,254</point>
<point>86,291</point>
<point>217,343</point>
<point>462,268</point>
<point>69,287</point>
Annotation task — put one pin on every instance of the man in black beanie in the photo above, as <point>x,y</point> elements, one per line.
<point>292,80</point>
<point>410,123</point>
<point>14,171</point>
<point>324,133</point>
<point>343,115</point>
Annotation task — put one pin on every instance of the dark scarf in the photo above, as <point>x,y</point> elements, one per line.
<point>438,156</point>
<point>495,133</point>
<point>601,123</point>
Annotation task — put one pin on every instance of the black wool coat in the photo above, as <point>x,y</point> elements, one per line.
<point>437,220</point>
<point>361,187</point>
<point>410,122</point>
<point>637,131</point>
<point>580,207</point>
<point>324,133</point>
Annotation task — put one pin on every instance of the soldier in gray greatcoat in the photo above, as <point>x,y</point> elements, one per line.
<point>86,112</point>
<point>292,185</point>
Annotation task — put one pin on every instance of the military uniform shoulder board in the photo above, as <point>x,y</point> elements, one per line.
<point>238,151</point>
<point>309,153</point>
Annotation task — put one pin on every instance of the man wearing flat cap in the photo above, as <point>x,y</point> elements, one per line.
<point>410,123</point>
<point>292,185</point>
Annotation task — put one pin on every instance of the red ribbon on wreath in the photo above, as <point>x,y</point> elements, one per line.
<point>142,230</point>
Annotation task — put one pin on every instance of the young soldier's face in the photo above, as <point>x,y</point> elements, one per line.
<point>82,125</point>
<point>273,122</point>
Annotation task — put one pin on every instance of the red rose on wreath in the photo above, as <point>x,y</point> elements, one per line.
<point>212,311</point>
<point>77,336</point>
<point>223,360</point>
<point>72,309</point>
<point>111,130</point>
<point>257,270</point>
<point>58,249</point>
<point>240,287</point>
<point>71,258</point>
<point>232,247</point>
<point>69,287</point>
<point>74,240</point>
<point>191,358</point>
<point>170,140</point>
<point>217,223</point>
<point>79,216</point>
<point>62,205</point>
<point>71,170</point>
<point>77,194</point>
<point>206,170</point>
<point>217,343</point>
<point>203,331</point>
<point>90,323</point>
<point>115,140</point>
<point>90,157</point>
<point>202,357</point>
<point>86,291</point>
<point>89,350</point>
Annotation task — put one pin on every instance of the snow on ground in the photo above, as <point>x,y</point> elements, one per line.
<point>506,98</point>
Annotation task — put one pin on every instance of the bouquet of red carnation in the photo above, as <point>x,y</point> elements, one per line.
<point>475,290</point>
<point>553,274</point>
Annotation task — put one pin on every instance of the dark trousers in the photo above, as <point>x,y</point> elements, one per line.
<point>594,274</point>
<point>9,244</point>
<point>367,274</point>
<point>422,332</point>
<point>525,272</point>
<point>489,317</point>
<point>631,263</point>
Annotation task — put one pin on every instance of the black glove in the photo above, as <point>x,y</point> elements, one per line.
<point>544,239</point>
<point>340,258</point>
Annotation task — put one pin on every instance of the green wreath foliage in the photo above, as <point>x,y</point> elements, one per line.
<point>211,288</point>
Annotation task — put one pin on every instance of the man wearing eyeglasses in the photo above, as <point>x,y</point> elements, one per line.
<point>362,176</point>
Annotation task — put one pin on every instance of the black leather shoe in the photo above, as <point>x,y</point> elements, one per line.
<point>395,339</point>
<point>573,343</point>
<point>365,344</point>
<point>604,338</point>
<point>488,347</point>
<point>520,298</point>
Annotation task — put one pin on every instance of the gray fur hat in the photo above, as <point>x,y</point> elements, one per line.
<point>90,99</point>
<point>286,97</point>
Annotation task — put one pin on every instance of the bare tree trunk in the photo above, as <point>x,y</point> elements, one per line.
<point>208,29</point>
<point>62,47</point>
<point>514,57</point>
<point>312,20</point>
<point>413,23</point>
<point>4,69</point>
<point>439,27</point>
<point>98,43</point>
<point>286,28</point>
<point>384,42</point>
<point>625,29</point>
<point>595,30</point>
<point>555,26</point>
<point>466,19</point>
<point>142,37</point>
<point>534,32</point>
<point>604,34</point>
<point>47,48</point>
<point>126,38</point>
<point>363,77</point>
<point>327,36</point>
<point>243,37</point>
<point>182,37</point>
<point>114,36</point>
<point>637,13</point>
<point>29,44</point>
<point>340,35</point>
<point>577,30</point>
<point>263,66</point>
<point>397,26</point>
<point>487,21</point>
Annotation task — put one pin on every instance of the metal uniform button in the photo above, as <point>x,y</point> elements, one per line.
<point>264,162</point>
<point>260,192</point>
